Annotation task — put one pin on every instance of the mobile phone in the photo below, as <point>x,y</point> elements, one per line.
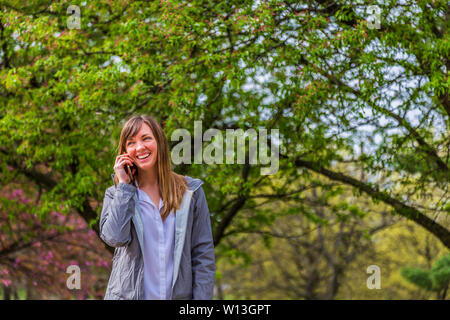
<point>129,172</point>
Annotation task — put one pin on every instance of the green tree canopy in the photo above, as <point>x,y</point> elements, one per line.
<point>436,279</point>
<point>338,91</point>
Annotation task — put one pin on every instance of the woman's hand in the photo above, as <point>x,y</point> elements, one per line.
<point>119,168</point>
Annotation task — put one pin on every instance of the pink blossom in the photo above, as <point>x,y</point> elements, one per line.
<point>17,193</point>
<point>7,283</point>
<point>37,244</point>
<point>58,214</point>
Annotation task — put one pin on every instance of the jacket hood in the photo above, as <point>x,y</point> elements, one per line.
<point>192,183</point>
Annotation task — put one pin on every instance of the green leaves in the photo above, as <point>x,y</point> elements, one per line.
<point>335,88</point>
<point>436,279</point>
<point>418,276</point>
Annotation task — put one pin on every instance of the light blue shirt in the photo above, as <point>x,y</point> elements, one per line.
<point>159,244</point>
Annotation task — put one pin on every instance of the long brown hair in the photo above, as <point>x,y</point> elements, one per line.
<point>171,185</point>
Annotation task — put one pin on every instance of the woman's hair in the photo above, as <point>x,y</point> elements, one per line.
<point>171,185</point>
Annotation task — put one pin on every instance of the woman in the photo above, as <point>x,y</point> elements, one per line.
<point>157,220</point>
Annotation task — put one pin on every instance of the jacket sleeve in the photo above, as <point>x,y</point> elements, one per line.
<point>202,251</point>
<point>117,211</point>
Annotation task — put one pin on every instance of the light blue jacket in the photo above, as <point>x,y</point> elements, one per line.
<point>194,261</point>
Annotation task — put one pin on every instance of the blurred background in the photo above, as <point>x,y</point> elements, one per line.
<point>359,206</point>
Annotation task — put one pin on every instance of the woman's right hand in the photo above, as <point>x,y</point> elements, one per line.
<point>119,168</point>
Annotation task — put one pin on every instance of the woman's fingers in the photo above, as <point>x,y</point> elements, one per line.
<point>123,157</point>
<point>123,162</point>
<point>119,167</point>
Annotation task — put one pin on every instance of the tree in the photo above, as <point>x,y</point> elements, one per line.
<point>315,70</point>
<point>437,279</point>
<point>308,251</point>
<point>35,253</point>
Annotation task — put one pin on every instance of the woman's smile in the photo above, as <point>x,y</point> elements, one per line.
<point>144,157</point>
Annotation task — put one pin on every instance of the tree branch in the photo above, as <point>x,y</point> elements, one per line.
<point>402,209</point>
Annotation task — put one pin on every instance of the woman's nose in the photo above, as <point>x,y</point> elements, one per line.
<point>139,146</point>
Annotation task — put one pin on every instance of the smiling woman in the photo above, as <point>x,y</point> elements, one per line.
<point>140,215</point>
<point>140,136</point>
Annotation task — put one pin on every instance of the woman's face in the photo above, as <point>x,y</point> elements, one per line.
<point>142,145</point>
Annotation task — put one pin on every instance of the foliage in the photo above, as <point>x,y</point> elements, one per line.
<point>436,279</point>
<point>339,92</point>
<point>35,253</point>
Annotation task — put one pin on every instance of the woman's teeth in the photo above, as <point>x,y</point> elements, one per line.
<point>144,157</point>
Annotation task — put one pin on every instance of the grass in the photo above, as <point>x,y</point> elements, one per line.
<point>21,293</point>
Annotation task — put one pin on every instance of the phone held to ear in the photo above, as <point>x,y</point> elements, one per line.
<point>129,172</point>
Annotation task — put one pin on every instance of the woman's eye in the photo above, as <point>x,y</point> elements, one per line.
<point>146,138</point>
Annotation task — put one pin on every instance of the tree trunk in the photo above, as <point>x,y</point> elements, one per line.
<point>6,293</point>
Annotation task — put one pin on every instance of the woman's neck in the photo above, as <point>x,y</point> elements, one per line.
<point>147,179</point>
